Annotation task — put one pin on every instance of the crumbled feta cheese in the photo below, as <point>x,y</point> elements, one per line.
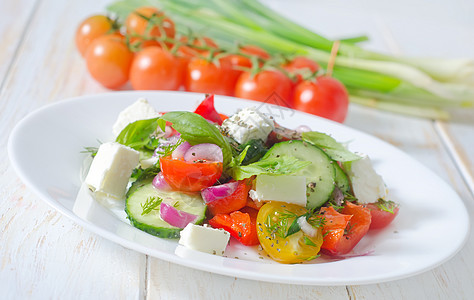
<point>204,239</point>
<point>140,110</point>
<point>255,198</point>
<point>285,188</point>
<point>248,124</point>
<point>111,169</point>
<point>368,186</point>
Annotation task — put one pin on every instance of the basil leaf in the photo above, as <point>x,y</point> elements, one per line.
<point>137,134</point>
<point>334,149</point>
<point>196,130</point>
<point>283,164</point>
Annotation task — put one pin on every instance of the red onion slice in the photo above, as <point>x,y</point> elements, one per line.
<point>205,152</point>
<point>181,150</point>
<point>172,140</point>
<point>160,183</point>
<point>174,217</point>
<point>302,128</point>
<point>216,192</point>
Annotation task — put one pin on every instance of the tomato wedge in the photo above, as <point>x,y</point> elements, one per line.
<point>342,231</point>
<point>242,225</point>
<point>189,176</point>
<point>236,201</point>
<point>382,217</point>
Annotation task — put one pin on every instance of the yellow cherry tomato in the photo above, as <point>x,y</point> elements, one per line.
<point>282,241</point>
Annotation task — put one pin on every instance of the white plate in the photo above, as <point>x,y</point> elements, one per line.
<point>45,150</point>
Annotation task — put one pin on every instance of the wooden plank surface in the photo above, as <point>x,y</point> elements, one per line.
<point>45,255</point>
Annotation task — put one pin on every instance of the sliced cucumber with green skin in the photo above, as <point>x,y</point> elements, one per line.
<point>341,179</point>
<point>320,175</point>
<point>151,222</point>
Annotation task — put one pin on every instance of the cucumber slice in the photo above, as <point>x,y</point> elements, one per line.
<point>152,222</point>
<point>341,179</point>
<point>320,175</point>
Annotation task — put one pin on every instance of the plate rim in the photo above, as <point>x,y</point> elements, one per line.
<point>13,136</point>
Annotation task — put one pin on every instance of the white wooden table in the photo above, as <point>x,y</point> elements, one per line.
<point>44,255</point>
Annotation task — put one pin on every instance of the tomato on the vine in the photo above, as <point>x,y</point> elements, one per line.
<point>198,46</point>
<point>271,86</point>
<point>138,23</point>
<point>255,50</point>
<point>189,176</point>
<point>108,60</point>
<point>300,65</point>
<point>325,97</point>
<point>156,69</point>
<point>204,76</point>
<point>238,64</point>
<point>342,231</point>
<point>92,28</point>
<point>274,220</point>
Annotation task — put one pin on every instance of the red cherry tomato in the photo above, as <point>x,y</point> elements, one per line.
<point>188,51</point>
<point>342,231</point>
<point>300,65</point>
<point>231,203</point>
<point>156,69</point>
<point>189,176</point>
<point>269,86</point>
<point>203,76</point>
<point>255,50</point>
<point>325,97</point>
<point>90,29</point>
<point>238,64</point>
<point>108,60</point>
<point>381,218</point>
<point>137,23</point>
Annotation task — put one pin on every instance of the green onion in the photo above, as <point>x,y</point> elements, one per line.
<point>419,87</point>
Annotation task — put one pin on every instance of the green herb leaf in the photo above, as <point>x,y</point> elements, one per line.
<point>150,204</point>
<point>283,164</point>
<point>309,242</point>
<point>138,134</point>
<point>140,174</point>
<point>334,149</point>
<point>168,150</point>
<point>196,130</point>
<point>388,206</point>
<point>294,228</point>
<point>91,150</point>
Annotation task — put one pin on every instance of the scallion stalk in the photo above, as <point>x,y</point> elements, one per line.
<point>421,87</point>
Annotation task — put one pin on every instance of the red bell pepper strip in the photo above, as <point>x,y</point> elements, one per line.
<point>207,110</point>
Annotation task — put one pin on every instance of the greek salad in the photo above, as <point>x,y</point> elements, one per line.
<point>203,177</point>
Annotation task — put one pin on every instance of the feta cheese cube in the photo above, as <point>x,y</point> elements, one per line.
<point>284,188</point>
<point>248,124</point>
<point>140,110</point>
<point>205,239</point>
<point>111,169</point>
<point>368,186</point>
